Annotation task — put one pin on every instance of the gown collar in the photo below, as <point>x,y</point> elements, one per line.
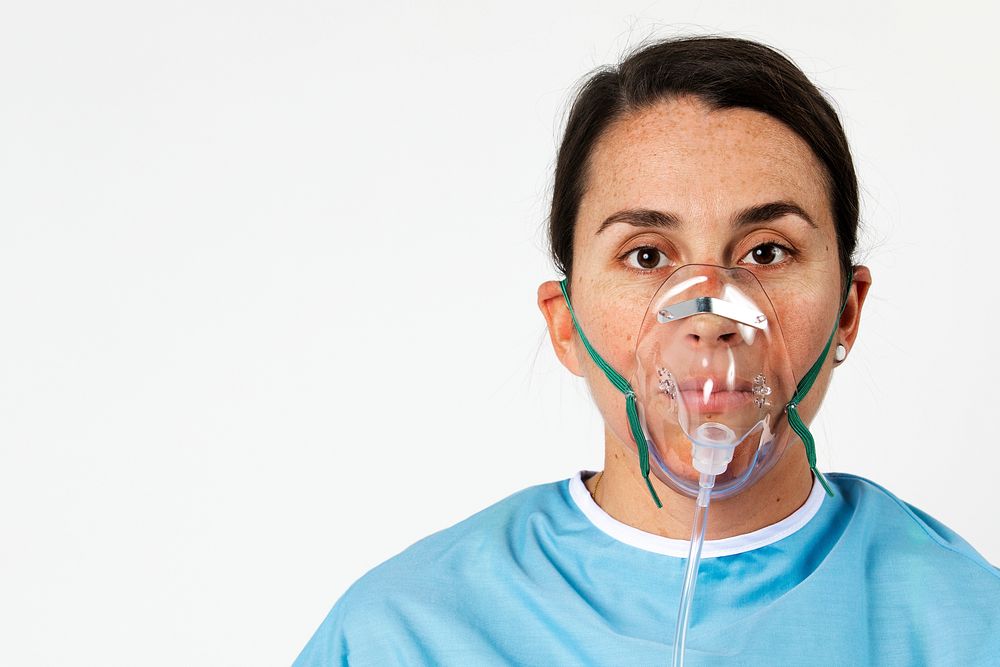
<point>666,546</point>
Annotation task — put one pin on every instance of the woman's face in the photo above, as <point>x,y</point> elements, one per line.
<point>664,188</point>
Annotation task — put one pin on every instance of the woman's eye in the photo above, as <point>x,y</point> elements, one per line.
<point>646,258</point>
<point>768,253</point>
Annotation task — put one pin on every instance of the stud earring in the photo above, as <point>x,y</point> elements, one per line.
<point>840,353</point>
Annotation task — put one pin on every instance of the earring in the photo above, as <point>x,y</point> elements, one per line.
<point>840,353</point>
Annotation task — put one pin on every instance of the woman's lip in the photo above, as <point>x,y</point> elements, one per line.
<point>719,401</point>
<point>714,384</point>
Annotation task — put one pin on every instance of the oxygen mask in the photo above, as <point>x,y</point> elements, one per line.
<point>712,380</point>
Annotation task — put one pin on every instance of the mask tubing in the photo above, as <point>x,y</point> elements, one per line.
<point>694,560</point>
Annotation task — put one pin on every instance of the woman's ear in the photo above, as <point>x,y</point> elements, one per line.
<point>850,320</point>
<point>560,323</point>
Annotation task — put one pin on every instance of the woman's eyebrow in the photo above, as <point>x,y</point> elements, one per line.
<point>645,217</point>
<point>770,211</point>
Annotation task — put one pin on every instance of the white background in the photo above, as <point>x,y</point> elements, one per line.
<point>267,283</point>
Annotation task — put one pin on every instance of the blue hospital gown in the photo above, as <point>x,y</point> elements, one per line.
<point>546,577</point>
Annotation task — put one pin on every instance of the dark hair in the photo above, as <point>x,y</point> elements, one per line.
<point>724,72</point>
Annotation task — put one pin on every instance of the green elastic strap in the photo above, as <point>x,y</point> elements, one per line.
<point>624,387</point>
<point>794,420</point>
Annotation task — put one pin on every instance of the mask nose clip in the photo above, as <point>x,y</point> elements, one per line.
<point>710,304</point>
<point>731,318</point>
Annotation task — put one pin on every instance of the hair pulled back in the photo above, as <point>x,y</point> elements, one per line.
<point>724,72</point>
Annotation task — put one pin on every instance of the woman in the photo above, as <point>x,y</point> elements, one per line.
<point>697,152</point>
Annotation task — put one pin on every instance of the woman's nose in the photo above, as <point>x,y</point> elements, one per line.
<point>707,329</point>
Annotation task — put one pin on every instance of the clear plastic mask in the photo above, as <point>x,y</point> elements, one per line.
<point>712,380</point>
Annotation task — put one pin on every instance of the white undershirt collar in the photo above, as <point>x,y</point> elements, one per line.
<point>679,548</point>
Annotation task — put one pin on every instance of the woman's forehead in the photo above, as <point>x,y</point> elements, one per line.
<point>682,156</point>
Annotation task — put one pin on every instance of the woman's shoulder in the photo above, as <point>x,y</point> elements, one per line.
<point>923,589</point>
<point>492,532</point>
<point>430,585</point>
<point>904,532</point>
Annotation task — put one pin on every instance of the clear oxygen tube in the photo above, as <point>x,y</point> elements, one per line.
<point>691,572</point>
<point>711,452</point>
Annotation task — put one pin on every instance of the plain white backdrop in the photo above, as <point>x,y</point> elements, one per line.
<point>267,283</point>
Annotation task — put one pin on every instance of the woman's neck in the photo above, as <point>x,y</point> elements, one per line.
<point>622,493</point>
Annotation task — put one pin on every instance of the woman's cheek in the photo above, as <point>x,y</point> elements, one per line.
<point>623,326</point>
<point>803,333</point>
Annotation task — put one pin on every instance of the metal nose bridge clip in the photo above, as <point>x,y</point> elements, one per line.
<point>711,304</point>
